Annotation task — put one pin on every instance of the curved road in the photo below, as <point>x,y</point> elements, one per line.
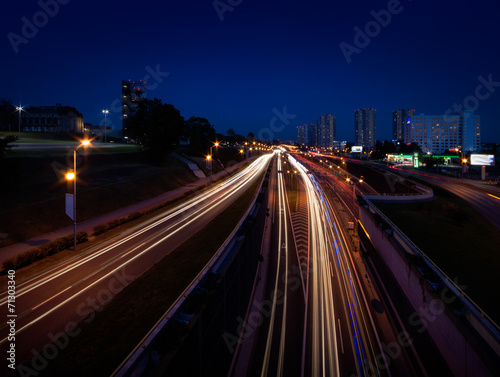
<point>54,301</point>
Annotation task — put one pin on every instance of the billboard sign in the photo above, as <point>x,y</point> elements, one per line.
<point>357,149</point>
<point>482,159</point>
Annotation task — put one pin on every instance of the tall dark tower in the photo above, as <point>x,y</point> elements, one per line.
<point>132,92</point>
<point>399,121</point>
<point>365,127</point>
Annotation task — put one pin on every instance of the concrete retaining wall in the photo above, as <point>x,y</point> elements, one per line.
<point>462,348</point>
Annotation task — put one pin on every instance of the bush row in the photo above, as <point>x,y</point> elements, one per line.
<point>42,251</point>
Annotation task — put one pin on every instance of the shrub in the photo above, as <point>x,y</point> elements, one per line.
<point>42,251</point>
<point>134,216</point>
<point>82,237</point>
<point>100,229</point>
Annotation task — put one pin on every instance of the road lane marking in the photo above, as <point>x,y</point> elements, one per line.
<point>135,248</point>
<point>51,298</point>
<point>496,197</point>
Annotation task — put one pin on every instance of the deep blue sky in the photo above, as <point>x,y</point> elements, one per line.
<point>264,55</point>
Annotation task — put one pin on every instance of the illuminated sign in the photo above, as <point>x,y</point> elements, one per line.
<point>482,159</point>
<point>357,149</point>
<point>408,121</point>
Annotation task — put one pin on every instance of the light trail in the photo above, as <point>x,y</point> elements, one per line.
<point>282,247</point>
<point>238,183</point>
<point>325,246</point>
<point>493,196</point>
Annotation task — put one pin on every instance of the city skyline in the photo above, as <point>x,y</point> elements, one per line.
<point>255,67</point>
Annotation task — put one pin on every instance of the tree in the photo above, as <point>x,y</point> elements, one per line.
<point>8,117</point>
<point>409,148</point>
<point>201,134</point>
<point>251,137</point>
<point>157,127</point>
<point>430,161</point>
<point>230,135</point>
<point>5,144</point>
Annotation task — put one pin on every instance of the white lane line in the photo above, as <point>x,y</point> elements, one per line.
<point>135,248</point>
<point>51,298</point>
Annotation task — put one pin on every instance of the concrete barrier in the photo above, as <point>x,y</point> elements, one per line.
<point>467,338</point>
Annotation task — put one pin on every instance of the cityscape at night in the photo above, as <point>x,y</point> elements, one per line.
<point>250,188</point>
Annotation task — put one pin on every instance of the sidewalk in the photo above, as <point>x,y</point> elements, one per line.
<point>88,225</point>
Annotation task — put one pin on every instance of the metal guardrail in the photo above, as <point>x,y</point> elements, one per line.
<point>491,324</point>
<point>135,357</point>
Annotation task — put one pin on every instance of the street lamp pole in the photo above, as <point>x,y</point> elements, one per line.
<point>210,158</point>
<point>105,112</point>
<point>19,109</point>
<point>72,175</point>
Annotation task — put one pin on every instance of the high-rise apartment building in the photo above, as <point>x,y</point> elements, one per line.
<point>365,127</point>
<point>312,135</point>
<point>399,120</point>
<point>131,95</point>
<point>440,133</point>
<point>327,131</point>
<point>301,135</point>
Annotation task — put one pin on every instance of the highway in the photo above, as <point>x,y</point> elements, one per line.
<point>54,301</point>
<point>481,199</point>
<point>280,342</point>
<point>341,337</point>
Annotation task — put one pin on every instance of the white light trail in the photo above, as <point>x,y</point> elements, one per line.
<point>238,182</point>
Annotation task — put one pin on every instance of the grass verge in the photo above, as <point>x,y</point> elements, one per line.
<point>458,238</point>
<point>112,333</point>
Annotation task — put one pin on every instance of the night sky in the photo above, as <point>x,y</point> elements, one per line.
<point>257,61</point>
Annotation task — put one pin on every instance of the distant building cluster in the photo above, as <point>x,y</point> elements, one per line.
<point>433,133</point>
<point>56,118</point>
<point>322,134</point>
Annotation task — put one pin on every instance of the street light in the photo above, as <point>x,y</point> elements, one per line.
<point>105,112</point>
<point>19,109</point>
<point>72,176</point>
<point>209,159</point>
